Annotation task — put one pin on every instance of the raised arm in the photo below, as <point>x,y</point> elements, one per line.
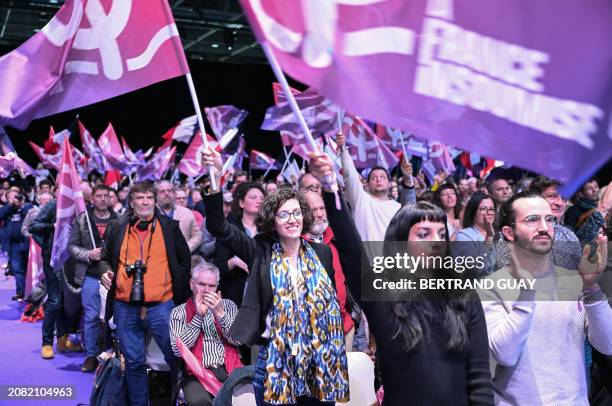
<point>354,188</point>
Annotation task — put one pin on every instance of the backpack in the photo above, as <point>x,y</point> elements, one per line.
<point>110,386</point>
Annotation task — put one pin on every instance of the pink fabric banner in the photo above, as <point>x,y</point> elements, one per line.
<point>90,51</point>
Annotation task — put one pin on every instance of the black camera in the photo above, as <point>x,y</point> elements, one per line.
<point>137,270</point>
<point>19,197</point>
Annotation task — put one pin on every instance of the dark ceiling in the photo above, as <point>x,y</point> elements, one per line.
<point>211,30</point>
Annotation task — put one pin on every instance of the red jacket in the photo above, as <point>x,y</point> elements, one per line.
<point>328,237</point>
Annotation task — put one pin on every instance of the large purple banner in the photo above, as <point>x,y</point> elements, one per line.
<point>526,82</point>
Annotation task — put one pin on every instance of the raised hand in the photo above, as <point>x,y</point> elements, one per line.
<point>212,158</point>
<point>591,267</point>
<point>340,140</point>
<point>201,306</point>
<point>321,167</point>
<point>213,301</point>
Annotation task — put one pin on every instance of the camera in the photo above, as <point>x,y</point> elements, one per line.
<point>19,197</point>
<point>137,270</point>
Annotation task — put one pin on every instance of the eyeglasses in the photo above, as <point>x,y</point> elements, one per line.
<point>283,216</point>
<point>311,188</point>
<point>486,209</point>
<point>534,220</point>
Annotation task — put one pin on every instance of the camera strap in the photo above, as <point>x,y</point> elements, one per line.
<point>141,241</point>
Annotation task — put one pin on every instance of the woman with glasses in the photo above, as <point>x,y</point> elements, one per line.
<point>289,307</point>
<point>475,239</point>
<point>433,348</point>
<point>478,219</point>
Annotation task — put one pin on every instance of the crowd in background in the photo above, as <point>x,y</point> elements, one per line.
<point>217,246</point>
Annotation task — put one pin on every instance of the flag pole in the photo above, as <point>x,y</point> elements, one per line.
<point>280,76</point>
<point>196,106</point>
<point>93,241</point>
<point>287,156</point>
<point>268,170</point>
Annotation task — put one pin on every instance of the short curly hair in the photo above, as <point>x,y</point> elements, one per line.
<point>265,220</point>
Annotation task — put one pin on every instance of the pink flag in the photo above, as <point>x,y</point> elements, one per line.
<point>70,203</point>
<point>111,149</point>
<point>366,149</point>
<point>34,273</point>
<point>91,50</point>
<point>204,376</point>
<point>190,164</point>
<point>51,161</point>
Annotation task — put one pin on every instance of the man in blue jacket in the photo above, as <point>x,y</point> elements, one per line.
<point>13,214</point>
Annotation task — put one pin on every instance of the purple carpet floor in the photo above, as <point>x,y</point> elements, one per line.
<point>21,361</point>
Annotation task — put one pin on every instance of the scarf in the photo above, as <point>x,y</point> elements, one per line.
<point>306,351</point>
<point>586,204</point>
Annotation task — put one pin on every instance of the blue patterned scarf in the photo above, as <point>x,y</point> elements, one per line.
<point>306,352</point>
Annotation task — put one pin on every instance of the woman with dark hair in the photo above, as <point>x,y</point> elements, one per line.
<point>431,352</point>
<point>478,219</point>
<point>247,198</point>
<point>475,239</point>
<point>446,197</point>
<point>289,307</point>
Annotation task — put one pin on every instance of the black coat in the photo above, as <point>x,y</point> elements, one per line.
<point>177,250</point>
<point>250,323</point>
<point>232,281</point>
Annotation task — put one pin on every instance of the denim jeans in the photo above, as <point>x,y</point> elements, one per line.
<point>90,298</point>
<point>131,331</point>
<point>18,259</point>
<point>54,311</point>
<point>260,376</point>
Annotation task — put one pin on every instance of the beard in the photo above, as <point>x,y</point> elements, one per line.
<point>319,227</point>
<point>535,247</point>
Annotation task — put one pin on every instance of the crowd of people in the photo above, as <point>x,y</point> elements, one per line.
<point>269,274</point>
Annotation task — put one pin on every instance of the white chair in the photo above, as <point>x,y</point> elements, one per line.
<point>361,380</point>
<point>155,358</point>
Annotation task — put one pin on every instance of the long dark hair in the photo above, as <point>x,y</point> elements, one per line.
<point>413,318</point>
<point>471,208</point>
<point>438,198</point>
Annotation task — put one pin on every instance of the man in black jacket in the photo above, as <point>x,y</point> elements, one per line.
<point>86,272</point>
<point>145,263</point>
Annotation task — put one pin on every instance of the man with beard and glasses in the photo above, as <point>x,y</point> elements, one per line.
<point>321,232</point>
<point>537,330</point>
<point>566,250</point>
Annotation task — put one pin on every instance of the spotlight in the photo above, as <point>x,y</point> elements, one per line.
<point>228,38</point>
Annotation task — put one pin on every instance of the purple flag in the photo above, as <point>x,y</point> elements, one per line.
<point>89,51</point>
<point>259,160</point>
<point>96,160</point>
<point>6,145</point>
<point>158,164</point>
<point>70,203</point>
<point>224,118</point>
<point>320,114</point>
<point>518,88</point>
